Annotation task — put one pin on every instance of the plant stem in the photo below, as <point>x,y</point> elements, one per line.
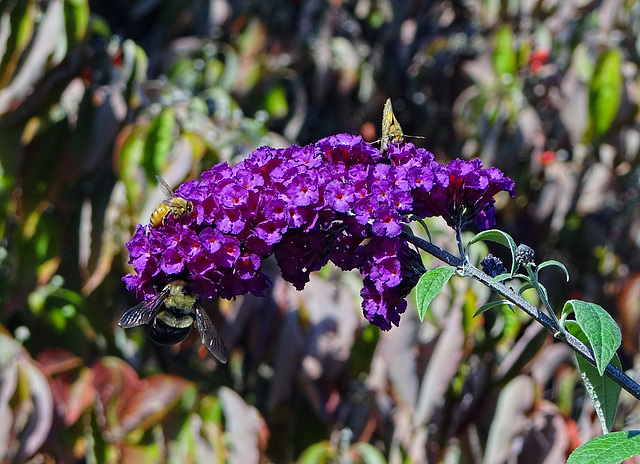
<point>469,270</point>
<point>559,332</point>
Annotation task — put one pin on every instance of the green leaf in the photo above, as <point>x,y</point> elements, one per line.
<point>529,285</point>
<point>500,278</point>
<point>275,102</point>
<point>524,287</point>
<point>369,454</point>
<point>317,453</point>
<point>498,236</point>
<point>607,449</point>
<point>430,285</point>
<point>604,392</point>
<point>129,152</point>
<point>76,19</point>
<point>492,304</point>
<point>158,142</point>
<point>505,60</point>
<point>601,330</point>
<point>605,92</point>
<point>552,262</point>
<point>20,23</point>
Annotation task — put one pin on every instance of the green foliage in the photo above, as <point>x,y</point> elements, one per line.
<point>603,391</point>
<point>608,449</point>
<point>430,285</point>
<point>504,55</point>
<point>605,92</point>
<point>601,330</point>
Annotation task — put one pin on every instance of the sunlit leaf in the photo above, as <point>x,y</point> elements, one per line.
<point>601,330</point>
<point>21,24</point>
<point>158,142</point>
<point>604,392</point>
<point>605,92</point>
<point>129,152</point>
<point>276,102</point>
<point>505,59</point>
<point>552,262</point>
<point>430,285</point>
<point>492,304</point>
<point>76,15</point>
<point>369,454</point>
<point>318,453</point>
<point>500,278</point>
<point>611,448</point>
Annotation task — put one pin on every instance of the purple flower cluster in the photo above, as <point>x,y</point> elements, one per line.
<point>336,200</point>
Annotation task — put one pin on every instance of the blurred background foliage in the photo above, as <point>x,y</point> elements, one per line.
<point>98,97</point>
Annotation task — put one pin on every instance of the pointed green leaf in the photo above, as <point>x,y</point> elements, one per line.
<point>529,285</point>
<point>607,449</point>
<point>275,102</point>
<point>552,262</point>
<point>492,304</point>
<point>505,60</point>
<point>320,452</point>
<point>158,142</point>
<point>430,285</point>
<point>20,23</point>
<point>76,19</point>
<point>601,330</point>
<point>498,236</point>
<point>129,152</point>
<point>605,92</point>
<point>524,287</point>
<point>369,453</point>
<point>500,278</point>
<point>604,392</point>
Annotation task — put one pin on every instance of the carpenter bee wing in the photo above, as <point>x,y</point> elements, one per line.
<point>210,336</point>
<point>166,190</point>
<point>143,312</point>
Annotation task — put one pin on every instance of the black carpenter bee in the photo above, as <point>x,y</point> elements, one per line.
<point>172,312</point>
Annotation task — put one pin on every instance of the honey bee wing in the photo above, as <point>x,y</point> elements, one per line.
<point>210,336</point>
<point>143,312</point>
<point>170,203</point>
<point>164,187</point>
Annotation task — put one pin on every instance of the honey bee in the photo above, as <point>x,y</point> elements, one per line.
<point>391,130</point>
<point>177,206</point>
<point>172,312</point>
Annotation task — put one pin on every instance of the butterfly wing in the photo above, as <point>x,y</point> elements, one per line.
<point>210,336</point>
<point>391,130</point>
